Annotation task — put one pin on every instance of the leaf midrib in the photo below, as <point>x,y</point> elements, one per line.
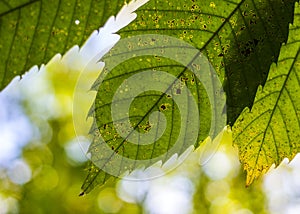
<point>275,107</point>
<point>200,50</point>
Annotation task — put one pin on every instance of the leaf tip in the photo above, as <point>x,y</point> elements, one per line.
<point>81,194</point>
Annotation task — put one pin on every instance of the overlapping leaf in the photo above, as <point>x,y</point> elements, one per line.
<point>241,38</point>
<point>270,132</point>
<point>238,37</point>
<point>33,31</point>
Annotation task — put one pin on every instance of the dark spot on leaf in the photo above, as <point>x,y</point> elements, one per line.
<point>252,22</point>
<point>148,127</point>
<point>163,107</point>
<point>184,79</point>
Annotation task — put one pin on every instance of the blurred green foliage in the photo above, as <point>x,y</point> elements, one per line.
<point>56,181</point>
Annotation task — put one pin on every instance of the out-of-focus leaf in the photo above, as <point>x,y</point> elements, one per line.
<point>270,132</point>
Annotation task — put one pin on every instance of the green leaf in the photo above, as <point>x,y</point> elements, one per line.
<point>241,38</point>
<point>33,31</point>
<point>91,182</point>
<point>270,132</point>
<point>238,38</point>
<point>170,106</point>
